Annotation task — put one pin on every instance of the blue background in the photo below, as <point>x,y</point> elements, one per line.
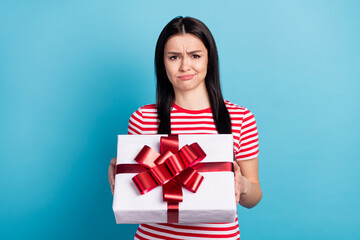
<point>72,72</point>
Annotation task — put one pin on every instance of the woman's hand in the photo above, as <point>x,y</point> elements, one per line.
<point>111,174</point>
<point>241,183</point>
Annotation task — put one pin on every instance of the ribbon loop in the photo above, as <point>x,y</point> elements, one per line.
<point>161,174</point>
<point>144,182</point>
<point>187,155</point>
<point>163,156</point>
<point>198,151</point>
<point>147,156</point>
<point>175,164</point>
<point>190,179</point>
<point>170,143</point>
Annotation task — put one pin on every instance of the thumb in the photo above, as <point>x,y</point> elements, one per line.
<point>236,167</point>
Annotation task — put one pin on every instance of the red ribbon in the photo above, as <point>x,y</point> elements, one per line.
<point>172,169</point>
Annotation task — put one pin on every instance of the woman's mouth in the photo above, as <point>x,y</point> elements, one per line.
<point>186,77</point>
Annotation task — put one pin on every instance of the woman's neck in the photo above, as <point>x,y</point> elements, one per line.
<point>196,99</point>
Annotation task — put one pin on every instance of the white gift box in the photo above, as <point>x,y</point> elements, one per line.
<point>213,202</point>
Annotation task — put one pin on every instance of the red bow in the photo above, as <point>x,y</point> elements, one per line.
<point>172,168</point>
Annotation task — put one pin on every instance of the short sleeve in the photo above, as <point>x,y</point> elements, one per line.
<point>249,140</point>
<point>135,123</point>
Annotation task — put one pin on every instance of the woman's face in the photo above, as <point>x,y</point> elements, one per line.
<point>186,60</point>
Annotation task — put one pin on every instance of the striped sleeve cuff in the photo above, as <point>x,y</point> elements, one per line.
<point>249,141</point>
<point>135,123</point>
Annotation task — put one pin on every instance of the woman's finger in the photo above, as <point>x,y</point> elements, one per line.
<point>237,177</point>
<point>236,191</point>
<point>237,168</point>
<point>111,174</point>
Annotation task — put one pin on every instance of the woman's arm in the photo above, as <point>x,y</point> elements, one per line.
<point>247,187</point>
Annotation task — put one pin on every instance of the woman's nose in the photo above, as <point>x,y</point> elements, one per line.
<point>185,64</point>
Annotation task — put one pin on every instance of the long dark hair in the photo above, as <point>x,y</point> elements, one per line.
<point>164,89</point>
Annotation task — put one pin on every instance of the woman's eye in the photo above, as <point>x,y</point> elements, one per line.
<point>173,57</point>
<point>196,56</point>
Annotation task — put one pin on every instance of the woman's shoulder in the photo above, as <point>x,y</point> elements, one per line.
<point>145,109</point>
<point>235,107</point>
<point>143,117</point>
<point>149,107</point>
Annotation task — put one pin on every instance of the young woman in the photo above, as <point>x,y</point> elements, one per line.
<point>189,100</point>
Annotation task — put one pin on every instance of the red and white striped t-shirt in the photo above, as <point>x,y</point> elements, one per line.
<point>183,121</point>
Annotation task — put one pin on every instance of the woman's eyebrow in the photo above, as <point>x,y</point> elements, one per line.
<point>195,51</point>
<point>179,53</point>
<point>175,53</point>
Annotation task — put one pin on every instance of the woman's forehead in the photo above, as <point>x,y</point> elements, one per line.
<point>184,42</point>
